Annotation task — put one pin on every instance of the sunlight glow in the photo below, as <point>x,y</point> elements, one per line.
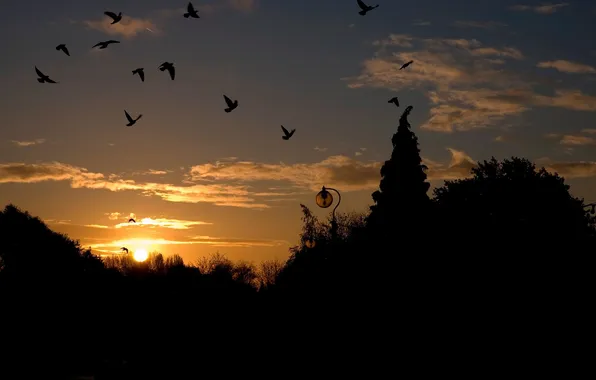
<point>140,255</point>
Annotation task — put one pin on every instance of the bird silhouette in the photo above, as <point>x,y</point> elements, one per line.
<point>394,100</point>
<point>365,8</point>
<point>63,48</point>
<point>131,220</point>
<point>406,65</point>
<point>124,249</point>
<point>114,16</point>
<point>140,72</point>
<point>104,44</point>
<point>42,77</point>
<point>131,121</point>
<point>286,133</point>
<point>232,105</point>
<point>191,11</point>
<point>170,67</point>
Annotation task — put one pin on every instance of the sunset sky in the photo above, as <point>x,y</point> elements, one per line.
<point>490,78</point>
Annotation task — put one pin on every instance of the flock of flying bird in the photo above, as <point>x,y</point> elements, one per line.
<point>191,12</point>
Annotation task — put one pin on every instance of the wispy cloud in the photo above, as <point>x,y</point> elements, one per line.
<point>23,144</point>
<point>479,24</point>
<point>360,152</point>
<point>81,178</point>
<point>175,224</point>
<point>567,67</point>
<point>320,149</point>
<point>113,215</point>
<point>420,22</point>
<point>156,244</point>
<point>128,27</point>
<point>542,9</point>
<point>101,226</point>
<point>460,78</point>
<point>577,140</point>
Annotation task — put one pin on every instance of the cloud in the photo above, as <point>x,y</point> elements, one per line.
<point>152,172</point>
<point>420,22</point>
<point>128,27</point>
<point>579,169</point>
<point>342,171</point>
<point>81,178</point>
<point>320,149</point>
<point>500,139</point>
<point>588,130</point>
<point>96,226</point>
<point>461,79</point>
<point>358,154</point>
<point>175,224</point>
<point>479,24</point>
<point>459,167</point>
<point>113,215</point>
<point>28,143</point>
<point>577,140</point>
<point>567,67</point>
<point>70,223</point>
<point>155,244</point>
<point>542,9</point>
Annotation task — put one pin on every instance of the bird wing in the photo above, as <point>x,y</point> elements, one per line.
<point>190,8</point>
<point>50,81</point>
<point>111,14</point>
<point>142,75</point>
<point>362,5</point>
<point>228,101</point>
<point>172,72</point>
<point>286,132</point>
<point>65,49</point>
<point>292,132</point>
<point>39,72</point>
<point>97,44</point>
<point>112,42</point>
<point>130,120</point>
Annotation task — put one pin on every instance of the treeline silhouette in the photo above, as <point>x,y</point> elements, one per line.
<point>416,282</point>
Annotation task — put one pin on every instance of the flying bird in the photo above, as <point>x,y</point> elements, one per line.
<point>170,67</point>
<point>406,65</point>
<point>140,72</point>
<point>287,134</point>
<point>394,100</point>
<point>104,44</point>
<point>131,220</point>
<point>63,48</point>
<point>131,121</point>
<point>114,16</point>
<point>124,249</point>
<point>42,77</point>
<point>232,105</point>
<point>365,8</point>
<point>191,11</point>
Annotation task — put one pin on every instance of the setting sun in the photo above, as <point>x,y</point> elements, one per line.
<point>140,255</point>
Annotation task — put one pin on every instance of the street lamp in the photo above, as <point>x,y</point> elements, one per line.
<point>324,199</point>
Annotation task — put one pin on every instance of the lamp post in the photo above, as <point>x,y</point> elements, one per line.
<point>324,199</point>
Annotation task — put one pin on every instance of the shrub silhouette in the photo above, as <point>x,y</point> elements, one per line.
<point>511,202</point>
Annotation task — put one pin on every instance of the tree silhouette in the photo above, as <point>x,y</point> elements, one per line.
<point>402,195</point>
<point>511,203</point>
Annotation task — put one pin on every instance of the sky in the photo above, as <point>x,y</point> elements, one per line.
<point>489,78</point>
